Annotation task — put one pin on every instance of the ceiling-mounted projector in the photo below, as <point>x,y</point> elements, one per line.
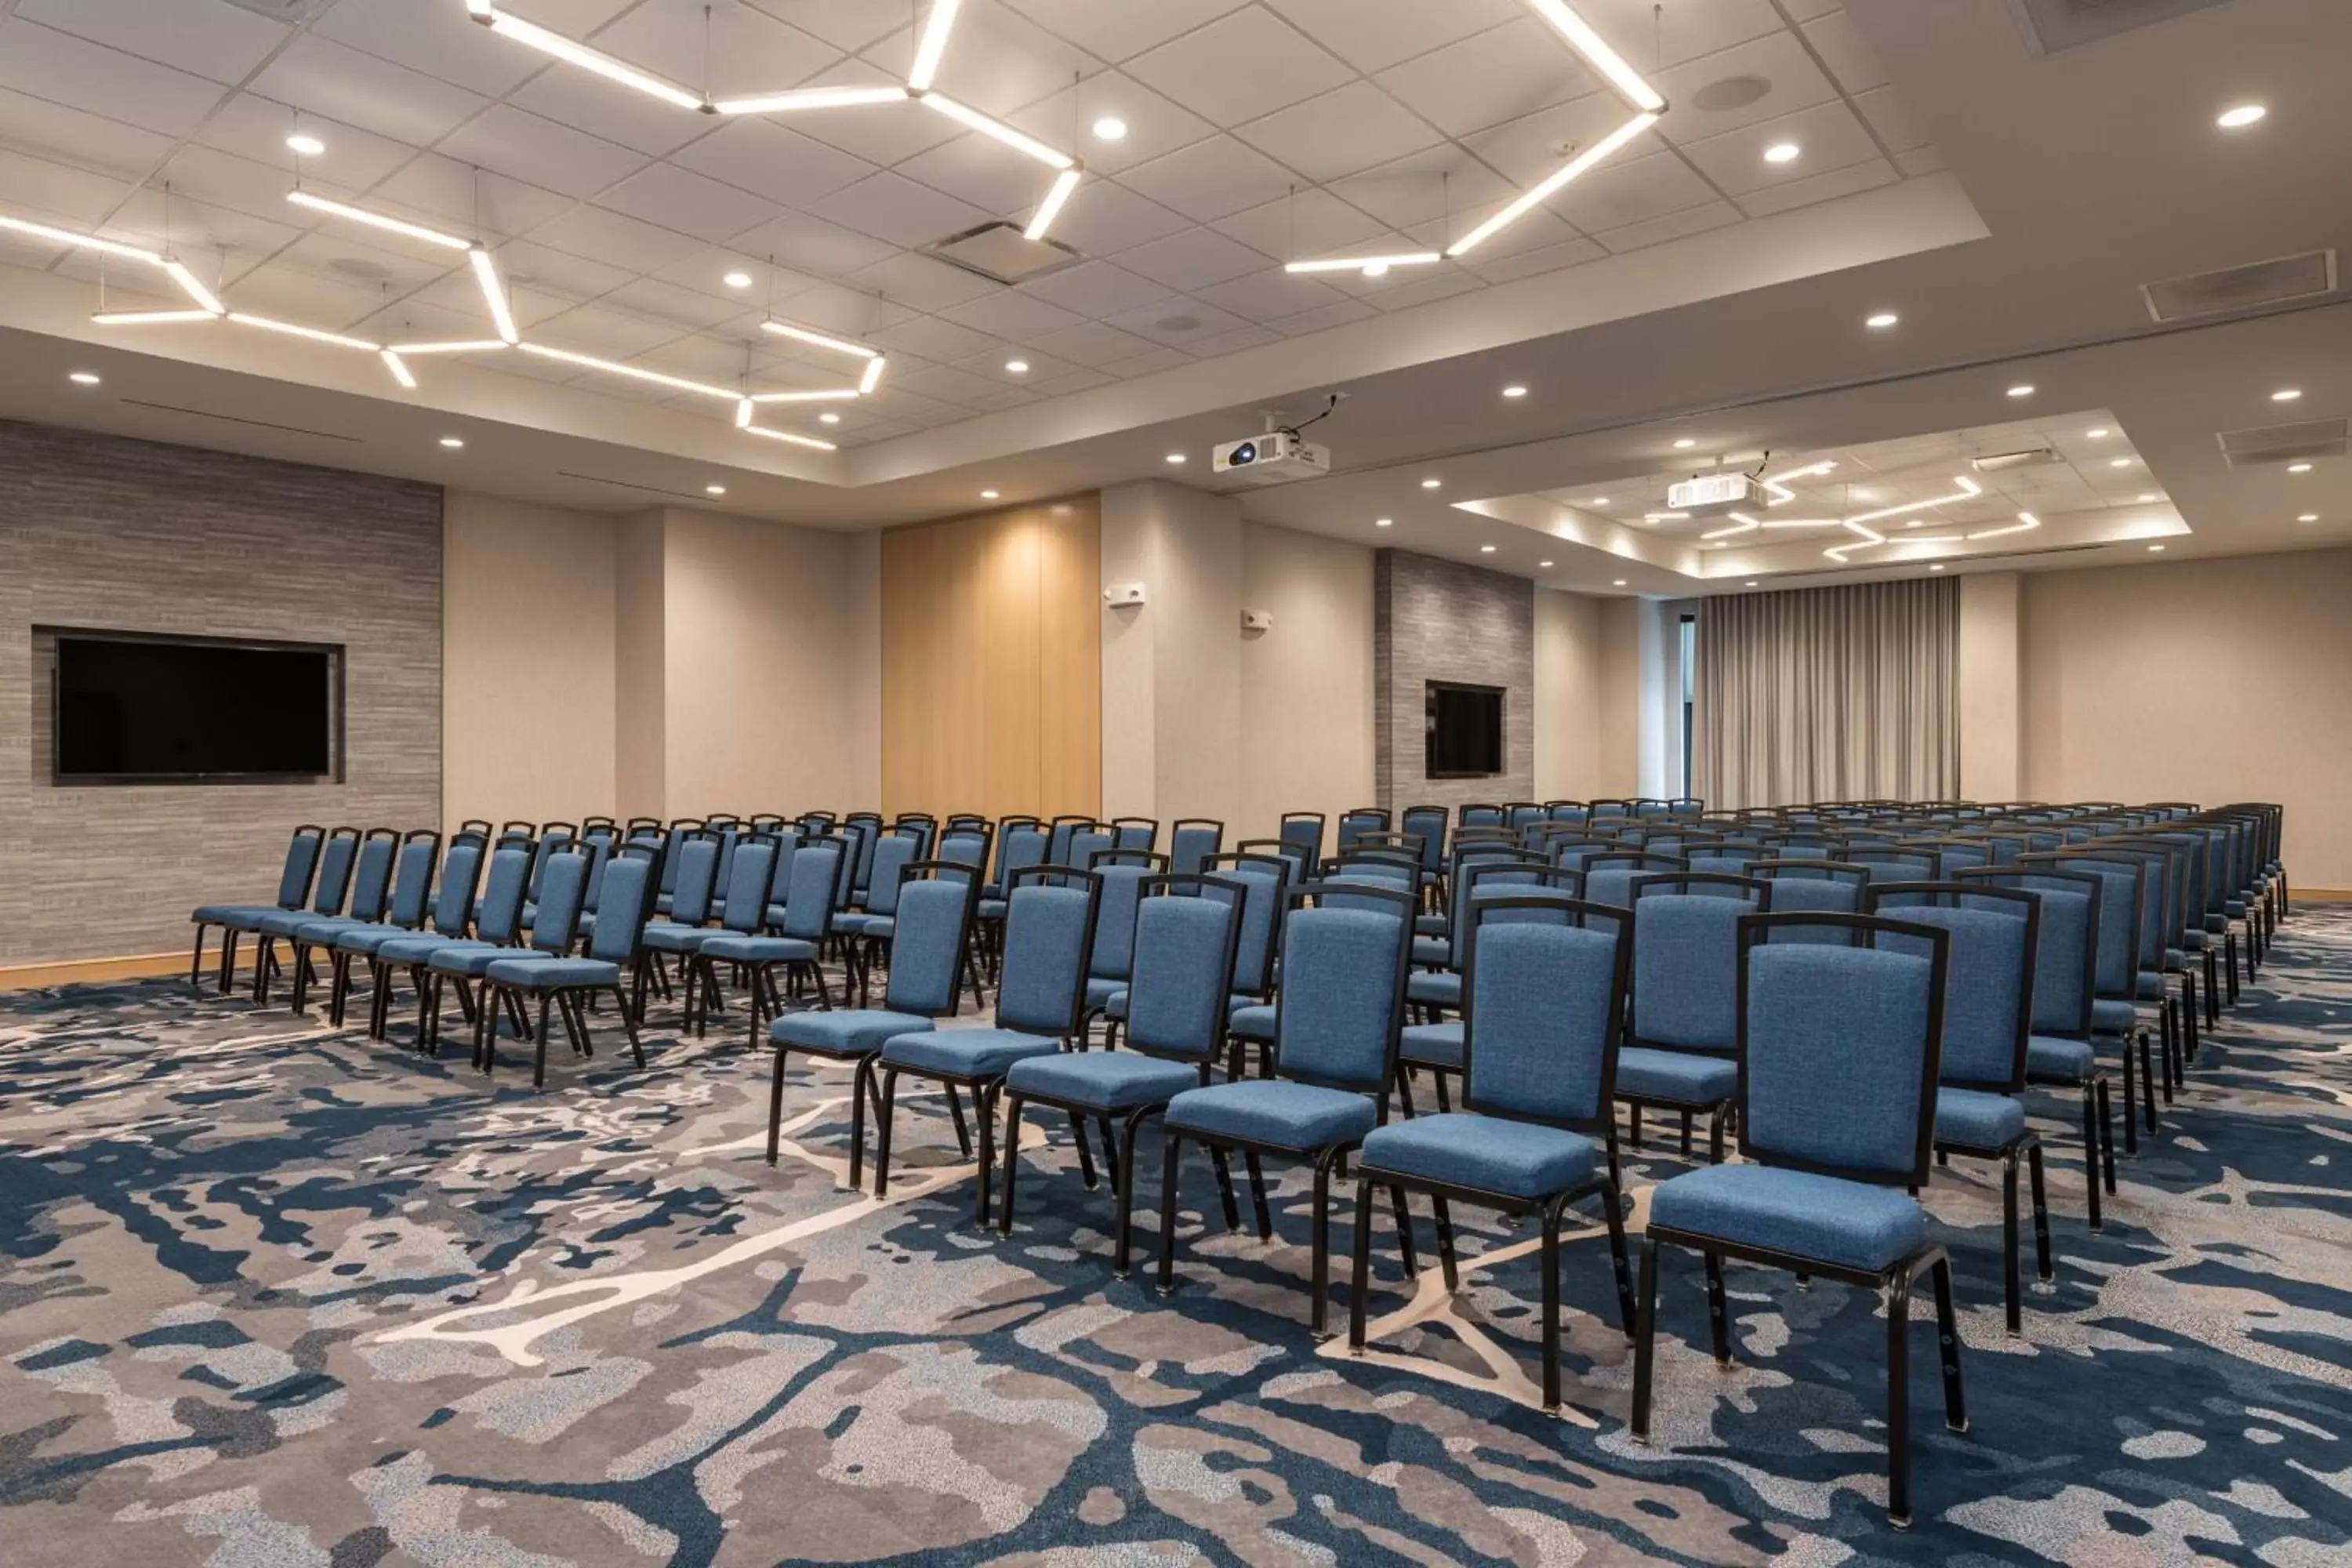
<point>1276,458</point>
<point>1712,495</point>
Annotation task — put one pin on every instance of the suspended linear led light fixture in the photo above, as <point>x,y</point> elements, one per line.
<point>1552,184</point>
<point>532,36</point>
<point>933,48</point>
<point>872,378</point>
<point>1051,207</point>
<point>635,373</point>
<point>1599,56</point>
<point>296,329</point>
<point>831,394</point>
<point>494,294</point>
<point>1366,264</point>
<point>797,440</point>
<point>470,345</point>
<point>400,371</point>
<point>819,339</point>
<point>316,203</point>
<point>801,99</point>
<point>990,126</point>
<point>2025,522</point>
<point>205,297</point>
<point>151,318</point>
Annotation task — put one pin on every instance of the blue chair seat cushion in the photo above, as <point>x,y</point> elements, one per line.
<point>287,922</point>
<point>1521,1160</point>
<point>1431,925</point>
<point>966,1053</point>
<point>2112,1017</point>
<point>1253,1022</point>
<point>552,973</point>
<point>662,936</point>
<point>472,960</point>
<point>2049,1059</point>
<point>991,908</point>
<point>1850,1224</point>
<point>2151,985</point>
<point>852,1032</point>
<point>1434,1045</point>
<point>1100,1081</point>
<point>2217,925</point>
<point>2235,909</point>
<point>882,928</point>
<point>420,947</point>
<point>1435,951</point>
<point>1675,1078</point>
<point>1975,1119</point>
<point>2175,959</point>
<point>368,940</point>
<point>730,947</point>
<point>1436,988</point>
<point>1115,1004</point>
<point>1274,1113</point>
<point>233,914</point>
<point>2193,941</point>
<point>1100,989</point>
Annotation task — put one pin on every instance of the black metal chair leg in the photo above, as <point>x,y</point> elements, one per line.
<point>2040,1211</point>
<point>1718,1310</point>
<point>1169,1153</point>
<point>1948,1348</point>
<point>1359,1274</point>
<point>1258,1199</point>
<point>2013,1309</point>
<point>1645,1335</point>
<point>1224,1170</point>
<point>955,1111</point>
<point>1898,1404</point>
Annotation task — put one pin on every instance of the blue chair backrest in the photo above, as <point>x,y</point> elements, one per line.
<point>2116,974</point>
<point>809,890</point>
<point>966,846</point>
<point>1392,875</point>
<point>1686,966</point>
<point>1572,811</point>
<point>624,901</point>
<point>1017,848</point>
<point>697,869</point>
<point>1342,975</point>
<point>1057,839</point>
<point>1302,833</point>
<point>562,882</point>
<point>1540,1010</point>
<point>598,848</point>
<point>461,873</point>
<point>928,946</point>
<point>1522,814</point>
<point>371,875</point>
<point>553,840</point>
<point>1134,833</point>
<point>923,829</point>
<point>1191,844</point>
<point>2149,911</point>
<point>750,882</point>
<point>1087,843</point>
<point>412,883</point>
<point>1048,933</point>
<point>1987,1002</point>
<point>1839,1052</point>
<point>1609,878</point>
<point>334,883</point>
<point>1478,880</point>
<point>1122,891</point>
<point>498,917</point>
<point>1816,887</point>
<point>1262,880</point>
<point>1183,969</point>
<point>730,835</point>
<point>301,860</point>
<point>892,854</point>
<point>1354,825</point>
<point>1730,859</point>
<point>1427,822</point>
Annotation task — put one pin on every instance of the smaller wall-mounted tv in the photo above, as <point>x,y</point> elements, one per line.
<point>1466,730</point>
<point>134,709</point>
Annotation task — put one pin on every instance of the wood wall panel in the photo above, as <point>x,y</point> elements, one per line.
<point>992,662</point>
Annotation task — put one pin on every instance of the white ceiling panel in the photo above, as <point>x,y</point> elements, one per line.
<point>920,282</point>
<point>1269,295</point>
<point>198,230</point>
<point>66,135</point>
<point>1323,317</point>
<point>1243,337</point>
<point>360,89</point>
<point>209,38</point>
<point>609,110</point>
<point>1528,150</point>
<point>299,294</point>
<point>1617,194</point>
<point>605,332</point>
<point>1211,179</point>
<point>1155,126</point>
<point>558,273</point>
<point>1828,136</point>
<point>1193,259</point>
<point>939,341</point>
<point>1092,344</point>
<point>812,246</point>
<point>1504,266</point>
<point>1179,322</point>
<point>1866,175</point>
<point>882,133</point>
<point>542,151</point>
<point>226,180</point>
<point>900,210</point>
<point>1654,38</point>
<point>1538,230</point>
<point>689,308</point>
<point>1372,35</point>
<point>1506,73</point>
<point>616,239</point>
<point>1792,82</point>
<point>1119,31</point>
<point>1716,214</point>
<point>352,261</point>
<point>1313,223</point>
<point>1428,288</point>
<point>69,71</point>
<point>256,128</point>
<point>843,23</point>
<point>1241,65</point>
<point>705,273</point>
<point>1847,53</point>
<point>983,172</point>
<point>743,50</point>
<point>57,192</point>
<point>1007,314</point>
<point>1104,218</point>
<point>836,309</point>
<point>439,40</point>
<point>1341,133</point>
<point>1099,288</point>
<point>1891,118</point>
<point>1443,181</point>
<point>768,160</point>
<point>990,365</point>
<point>689,202</point>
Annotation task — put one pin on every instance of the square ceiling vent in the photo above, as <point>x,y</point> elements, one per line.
<point>2050,25</point>
<point>294,11</point>
<point>1002,254</point>
<point>2285,443</point>
<point>2233,288</point>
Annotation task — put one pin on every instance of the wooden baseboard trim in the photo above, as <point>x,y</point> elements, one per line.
<point>84,970</point>
<point>2322,895</point>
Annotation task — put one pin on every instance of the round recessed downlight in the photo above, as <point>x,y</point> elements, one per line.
<point>1936,568</point>
<point>737,280</point>
<point>1016,367</point>
<point>2119,462</point>
<point>1543,565</point>
<point>828,417</point>
<point>1684,445</point>
<point>2298,467</point>
<point>1782,152</point>
<point>2022,389</point>
<point>2100,434</point>
<point>1110,128</point>
<point>2149,499</point>
<point>2286,394</point>
<point>2308,517</point>
<point>1618,584</point>
<point>1486,549</point>
<point>1881,321</point>
<point>453,442</point>
<point>1514,391</point>
<point>2155,550</point>
<point>1431,484</point>
<point>308,146</point>
<point>714,489</point>
<point>1175,458</point>
<point>1383,522</point>
<point>84,378</point>
<point>2238,116</point>
<point>988,495</point>
<point>1598,500</point>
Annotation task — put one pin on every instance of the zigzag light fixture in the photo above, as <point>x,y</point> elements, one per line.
<point>1645,100</point>
<point>1867,537</point>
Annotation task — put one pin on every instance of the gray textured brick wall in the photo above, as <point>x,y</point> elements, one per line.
<point>1437,620</point>
<point>98,532</point>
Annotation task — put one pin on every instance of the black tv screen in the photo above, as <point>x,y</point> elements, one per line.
<point>193,710</point>
<point>1466,730</point>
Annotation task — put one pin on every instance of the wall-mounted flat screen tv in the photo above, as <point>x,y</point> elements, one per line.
<point>133,708</point>
<point>1466,730</point>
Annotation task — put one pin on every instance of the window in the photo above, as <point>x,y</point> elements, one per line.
<point>1690,703</point>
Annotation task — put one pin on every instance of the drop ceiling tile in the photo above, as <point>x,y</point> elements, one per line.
<point>414,320</point>
<point>743,50</point>
<point>1192,260</point>
<point>813,247</point>
<point>209,38</point>
<point>607,333</point>
<point>687,308</point>
<point>1097,288</point>
<point>588,102</point>
<point>257,129</point>
<point>1270,295</point>
<point>541,151</point>
<point>1442,283</point>
<point>893,207</point>
<point>1532,148</point>
<point>350,260</point>
<point>1092,344</point>
<point>1713,214</point>
<point>985,172</point>
<point>557,273</point>
<point>1374,35</point>
<point>1341,133</point>
<point>200,229</point>
<point>831,308</point>
<point>1806,10</point>
<point>1150,362</point>
<point>226,180</point>
<point>989,366</point>
<point>1847,53</point>
<point>1012,315</point>
<point>1617,194</point>
<point>1537,230</point>
<point>1920,161</point>
<point>297,294</point>
<point>999,60</point>
<point>1436,183</point>
<point>1828,186</point>
<point>1104,218</point>
<point>66,135</point>
<point>1003,397</point>
<point>1211,179</point>
<point>1503,74</point>
<point>1651,42</point>
<point>1243,337</point>
<point>1891,118</point>
<point>1117,32</point>
<point>1155,127</point>
<point>844,24</point>
<point>947,384</point>
<point>678,199</point>
<point>1780,60</point>
<point>1241,65</point>
<point>616,239</point>
<point>54,190</point>
<point>456,196</point>
<point>1508,267</point>
<point>437,40</point>
<point>362,90</point>
<point>766,159</point>
<point>704,357</point>
<point>1075,380</point>
<point>1179,324</point>
<point>1829,136</point>
<point>65,69</point>
<point>914,279</point>
<point>882,133</point>
<point>1313,223</point>
<point>939,341</point>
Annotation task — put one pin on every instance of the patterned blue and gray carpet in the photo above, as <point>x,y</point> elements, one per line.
<point>271,1296</point>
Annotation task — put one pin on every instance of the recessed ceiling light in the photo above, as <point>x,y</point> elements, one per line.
<point>1751,582</point>
<point>1544,566</point>
<point>1598,500</point>
<point>1110,128</point>
<point>1486,549</point>
<point>2286,394</point>
<point>309,146</point>
<point>1514,391</point>
<point>1383,522</point>
<point>2151,499</point>
<point>988,495</point>
<point>1175,457</point>
<point>714,489</point>
<point>1936,568</point>
<point>2308,517</point>
<point>453,442</point>
<point>1431,484</point>
<point>2298,467</point>
<point>2119,462</point>
<point>1782,152</point>
<point>2022,389</point>
<point>2238,116</point>
<point>1618,584</point>
<point>1685,444</point>
<point>2100,434</point>
<point>828,417</point>
<point>84,378</point>
<point>737,280</point>
<point>1016,367</point>
<point>1884,320</point>
<point>2155,550</point>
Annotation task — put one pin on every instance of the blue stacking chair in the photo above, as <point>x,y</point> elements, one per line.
<point>1193,842</point>
<point>1988,1020</point>
<point>616,948</point>
<point>452,916</point>
<point>1049,930</point>
<point>1086,842</point>
<point>1685,1037</point>
<point>1436,1045</point>
<point>1428,824</point>
<point>1435,986</point>
<point>1840,1052</point>
<point>865,932</point>
<point>742,911</point>
<point>936,902</point>
<point>1344,954</point>
<point>1541,1013</point>
<point>1519,815</point>
<point>563,882</point>
<point>1610,876</point>
<point>1187,935</point>
<point>293,889</point>
<point>924,827</point>
<point>2162,965</point>
<point>795,943</point>
<point>2115,978</point>
<point>1356,823</point>
<point>1020,842</point>
<point>1138,833</point>
<point>2144,868</point>
<point>1061,830</point>
<point>412,891</point>
<point>1826,887</point>
<point>498,926</point>
<point>338,853</point>
<point>1301,833</point>
<point>554,838</point>
<point>1124,873</point>
<point>1250,1021</point>
<point>370,895</point>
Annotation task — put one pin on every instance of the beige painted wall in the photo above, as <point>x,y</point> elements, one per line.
<point>640,747</point>
<point>527,608</point>
<point>2208,680</point>
<point>1172,734</point>
<point>1567,696</point>
<point>1991,692</point>
<point>1619,700</point>
<point>1306,685</point>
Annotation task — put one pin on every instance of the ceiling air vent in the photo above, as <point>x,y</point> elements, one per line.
<point>283,10</point>
<point>2050,25</point>
<point>2285,443</point>
<point>1002,254</point>
<point>2009,462</point>
<point>2234,289</point>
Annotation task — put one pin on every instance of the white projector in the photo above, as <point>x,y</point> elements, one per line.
<point>1275,458</point>
<point>1712,495</point>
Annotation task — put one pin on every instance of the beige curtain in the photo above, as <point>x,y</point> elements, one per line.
<point>1846,693</point>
